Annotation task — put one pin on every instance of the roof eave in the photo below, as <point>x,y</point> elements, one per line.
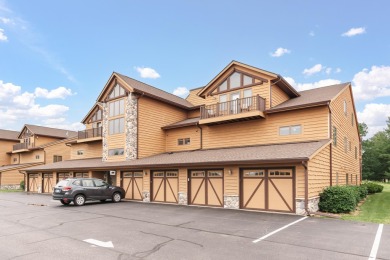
<point>283,109</point>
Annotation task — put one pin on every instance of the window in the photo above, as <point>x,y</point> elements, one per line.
<point>80,152</point>
<point>345,144</point>
<point>171,174</point>
<point>345,107</point>
<point>356,152</point>
<point>116,151</point>
<point>158,174</point>
<point>88,183</point>
<point>138,174</point>
<point>15,159</point>
<point>247,93</point>
<point>280,173</point>
<point>236,80</point>
<point>198,173</point>
<point>97,116</point>
<point>184,141</point>
<point>100,183</point>
<point>117,126</point>
<point>57,158</point>
<point>214,173</point>
<point>117,91</point>
<point>117,107</point>
<point>349,146</point>
<point>37,157</point>
<point>290,130</point>
<point>334,136</point>
<point>253,173</point>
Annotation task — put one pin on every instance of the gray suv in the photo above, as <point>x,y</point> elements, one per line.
<point>79,190</point>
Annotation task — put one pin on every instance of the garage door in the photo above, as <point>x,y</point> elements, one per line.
<point>206,187</point>
<point>268,189</point>
<point>33,182</point>
<point>165,186</point>
<point>132,184</point>
<point>48,183</point>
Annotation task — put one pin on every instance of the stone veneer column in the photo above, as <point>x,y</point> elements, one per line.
<point>131,126</point>
<point>105,132</point>
<point>183,198</point>
<point>231,202</point>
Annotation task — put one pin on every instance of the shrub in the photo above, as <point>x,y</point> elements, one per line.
<point>22,185</point>
<point>373,187</point>
<point>339,199</point>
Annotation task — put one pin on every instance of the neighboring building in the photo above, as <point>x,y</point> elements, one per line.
<point>246,140</point>
<point>7,140</point>
<point>36,145</point>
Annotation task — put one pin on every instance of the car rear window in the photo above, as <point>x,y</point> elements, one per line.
<point>88,183</point>
<point>62,183</point>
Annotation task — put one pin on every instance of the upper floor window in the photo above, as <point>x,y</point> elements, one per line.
<point>117,91</point>
<point>184,141</point>
<point>80,152</point>
<point>57,158</point>
<point>15,159</point>
<point>116,126</point>
<point>345,107</point>
<point>290,130</point>
<point>236,80</point>
<point>352,119</point>
<point>37,157</point>
<point>334,136</point>
<point>117,107</point>
<point>356,152</point>
<point>97,116</point>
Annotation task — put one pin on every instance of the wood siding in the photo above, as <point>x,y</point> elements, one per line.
<point>344,164</point>
<point>195,99</point>
<point>152,115</point>
<point>173,135</point>
<point>193,113</point>
<point>6,146</point>
<point>30,157</point>
<point>41,140</point>
<point>90,150</point>
<point>59,149</point>
<point>116,141</point>
<point>278,96</point>
<point>319,172</point>
<point>12,177</point>
<point>314,123</point>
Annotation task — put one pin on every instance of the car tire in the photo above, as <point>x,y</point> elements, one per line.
<point>65,203</point>
<point>79,200</point>
<point>116,197</point>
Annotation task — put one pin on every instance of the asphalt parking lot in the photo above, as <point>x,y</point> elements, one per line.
<point>36,227</point>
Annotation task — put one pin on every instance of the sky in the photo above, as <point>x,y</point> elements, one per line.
<point>56,56</point>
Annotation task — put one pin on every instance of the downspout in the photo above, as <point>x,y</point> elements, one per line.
<point>304,164</point>
<point>330,147</point>
<point>138,98</point>
<point>201,135</point>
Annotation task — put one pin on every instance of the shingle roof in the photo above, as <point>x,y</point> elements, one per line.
<point>187,122</point>
<point>291,152</point>
<point>156,93</point>
<point>9,135</point>
<point>48,131</point>
<point>17,166</point>
<point>310,97</point>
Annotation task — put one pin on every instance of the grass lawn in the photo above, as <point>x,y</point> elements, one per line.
<point>375,209</point>
<point>11,190</point>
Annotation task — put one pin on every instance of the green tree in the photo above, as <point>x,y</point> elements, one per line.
<point>363,129</point>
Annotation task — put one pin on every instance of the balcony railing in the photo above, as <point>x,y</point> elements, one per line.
<point>22,146</point>
<point>90,133</point>
<point>234,107</point>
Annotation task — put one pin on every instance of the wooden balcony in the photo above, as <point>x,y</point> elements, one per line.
<point>89,135</point>
<point>232,111</point>
<point>22,147</point>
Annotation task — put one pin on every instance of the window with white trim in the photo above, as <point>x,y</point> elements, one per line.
<point>184,141</point>
<point>290,130</point>
<point>116,152</point>
<point>116,126</point>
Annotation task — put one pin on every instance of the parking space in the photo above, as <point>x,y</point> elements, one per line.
<point>34,226</point>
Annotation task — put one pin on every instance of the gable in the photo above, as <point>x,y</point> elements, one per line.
<point>95,114</point>
<point>114,88</point>
<point>26,132</point>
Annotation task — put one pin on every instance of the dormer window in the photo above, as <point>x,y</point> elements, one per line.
<point>117,91</point>
<point>236,80</point>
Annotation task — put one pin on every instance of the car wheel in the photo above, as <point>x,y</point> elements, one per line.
<point>116,197</point>
<point>65,202</point>
<point>102,200</point>
<point>79,200</point>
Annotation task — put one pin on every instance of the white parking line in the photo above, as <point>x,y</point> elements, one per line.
<point>377,241</point>
<point>280,229</point>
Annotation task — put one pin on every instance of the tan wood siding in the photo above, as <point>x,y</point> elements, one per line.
<point>116,141</point>
<point>41,140</point>
<point>183,176</point>
<point>6,146</point>
<point>173,135</point>
<point>12,177</point>
<point>152,115</point>
<point>231,181</point>
<point>195,99</point>
<point>344,163</point>
<point>314,123</point>
<point>300,181</point>
<point>193,113</point>
<point>90,150</point>
<point>30,157</point>
<point>15,156</point>
<point>319,172</point>
<point>278,96</point>
<point>59,149</point>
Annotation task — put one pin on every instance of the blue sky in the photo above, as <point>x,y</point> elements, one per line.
<point>56,56</point>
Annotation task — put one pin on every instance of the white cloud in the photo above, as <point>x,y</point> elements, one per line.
<point>354,31</point>
<point>3,37</point>
<point>306,86</point>
<point>7,90</point>
<point>328,70</point>
<point>373,83</point>
<point>147,73</point>
<point>181,92</point>
<point>24,100</point>
<point>313,70</point>
<point>311,33</point>
<point>280,52</point>
<point>375,116</point>
<point>338,70</point>
<point>59,92</point>
<point>5,20</point>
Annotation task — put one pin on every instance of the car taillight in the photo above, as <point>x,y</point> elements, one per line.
<point>66,188</point>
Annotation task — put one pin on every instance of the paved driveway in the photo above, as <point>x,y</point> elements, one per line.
<point>35,227</point>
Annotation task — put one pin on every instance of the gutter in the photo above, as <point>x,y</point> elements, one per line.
<point>304,164</point>
<point>330,147</point>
